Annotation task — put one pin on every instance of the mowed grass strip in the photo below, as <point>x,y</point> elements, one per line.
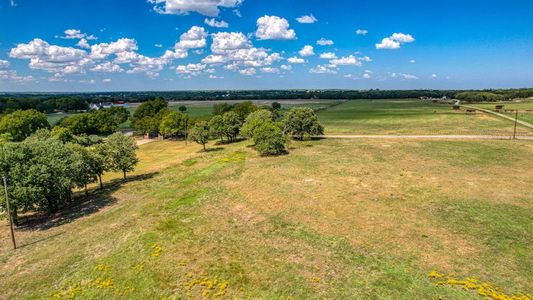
<point>410,117</point>
<point>334,219</point>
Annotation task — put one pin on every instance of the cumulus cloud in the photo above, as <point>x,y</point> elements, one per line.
<point>83,44</point>
<point>210,8</point>
<point>274,28</point>
<point>324,42</point>
<point>77,34</point>
<point>269,70</point>
<point>296,60</point>
<point>51,58</point>
<point>286,67</point>
<point>248,71</point>
<point>4,64</point>
<point>10,75</point>
<point>107,67</point>
<point>395,41</point>
<point>307,50</point>
<point>323,69</point>
<point>224,41</point>
<point>217,24</point>
<point>361,32</point>
<point>191,69</point>
<point>122,45</point>
<point>307,19</point>
<point>412,61</point>
<point>434,76</point>
<point>192,39</point>
<point>346,61</point>
<point>107,80</point>
<point>403,76</point>
<point>328,55</point>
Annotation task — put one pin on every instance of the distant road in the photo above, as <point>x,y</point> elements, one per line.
<point>429,137</point>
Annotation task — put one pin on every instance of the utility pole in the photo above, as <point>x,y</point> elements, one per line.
<point>9,215</point>
<point>515,122</point>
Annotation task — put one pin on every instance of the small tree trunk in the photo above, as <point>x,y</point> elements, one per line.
<point>86,191</point>
<point>124,174</point>
<point>204,147</point>
<point>101,184</point>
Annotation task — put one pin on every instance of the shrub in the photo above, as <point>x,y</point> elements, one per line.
<point>269,139</point>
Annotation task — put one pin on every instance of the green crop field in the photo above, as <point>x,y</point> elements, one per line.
<point>410,117</point>
<point>334,219</point>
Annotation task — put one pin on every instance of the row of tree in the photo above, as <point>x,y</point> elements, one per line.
<point>42,171</point>
<point>46,104</point>
<point>268,132</point>
<point>480,97</point>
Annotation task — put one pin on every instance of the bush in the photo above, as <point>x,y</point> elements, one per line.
<point>269,139</point>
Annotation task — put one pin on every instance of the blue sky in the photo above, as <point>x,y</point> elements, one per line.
<point>106,45</point>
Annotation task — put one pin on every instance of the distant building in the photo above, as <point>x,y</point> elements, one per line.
<point>100,105</point>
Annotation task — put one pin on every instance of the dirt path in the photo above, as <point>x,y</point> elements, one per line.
<point>432,137</point>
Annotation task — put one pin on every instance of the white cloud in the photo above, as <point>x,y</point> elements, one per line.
<point>248,71</point>
<point>434,76</point>
<point>224,41</point>
<point>365,59</point>
<point>12,3</point>
<point>51,58</point>
<point>158,45</point>
<point>10,75</point>
<point>307,50</point>
<point>395,41</point>
<point>192,39</point>
<point>210,8</point>
<point>346,61</point>
<point>107,67</point>
<point>361,32</point>
<point>211,76</point>
<point>217,24</point>
<point>286,67</point>
<point>403,76</point>
<point>107,80</point>
<point>191,69</point>
<point>274,28</point>
<point>269,70</point>
<point>296,60</point>
<point>77,34</point>
<point>83,44</point>
<point>412,61</point>
<point>402,38</point>
<point>323,69</point>
<point>103,50</point>
<point>4,64</point>
<point>366,76</point>
<point>324,42</point>
<point>310,19</point>
<point>328,55</point>
<point>388,43</point>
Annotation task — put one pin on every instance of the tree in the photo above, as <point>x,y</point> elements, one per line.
<point>182,108</point>
<point>217,128</point>
<point>232,125</point>
<point>85,167</point>
<point>103,121</point>
<point>254,120</point>
<point>221,108</point>
<point>78,124</point>
<point>200,133</point>
<point>121,114</point>
<point>276,105</point>
<point>269,139</point>
<point>22,123</point>
<point>173,124</point>
<point>300,122</point>
<point>148,116</point>
<point>120,151</point>
<point>243,109</point>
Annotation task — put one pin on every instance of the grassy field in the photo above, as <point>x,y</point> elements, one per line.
<point>525,109</point>
<point>334,219</point>
<point>410,117</point>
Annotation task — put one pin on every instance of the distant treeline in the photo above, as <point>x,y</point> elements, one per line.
<point>81,101</point>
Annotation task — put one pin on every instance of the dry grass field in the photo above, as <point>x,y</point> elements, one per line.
<point>334,219</point>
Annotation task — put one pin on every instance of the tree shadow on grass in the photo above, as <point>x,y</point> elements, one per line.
<point>80,206</point>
